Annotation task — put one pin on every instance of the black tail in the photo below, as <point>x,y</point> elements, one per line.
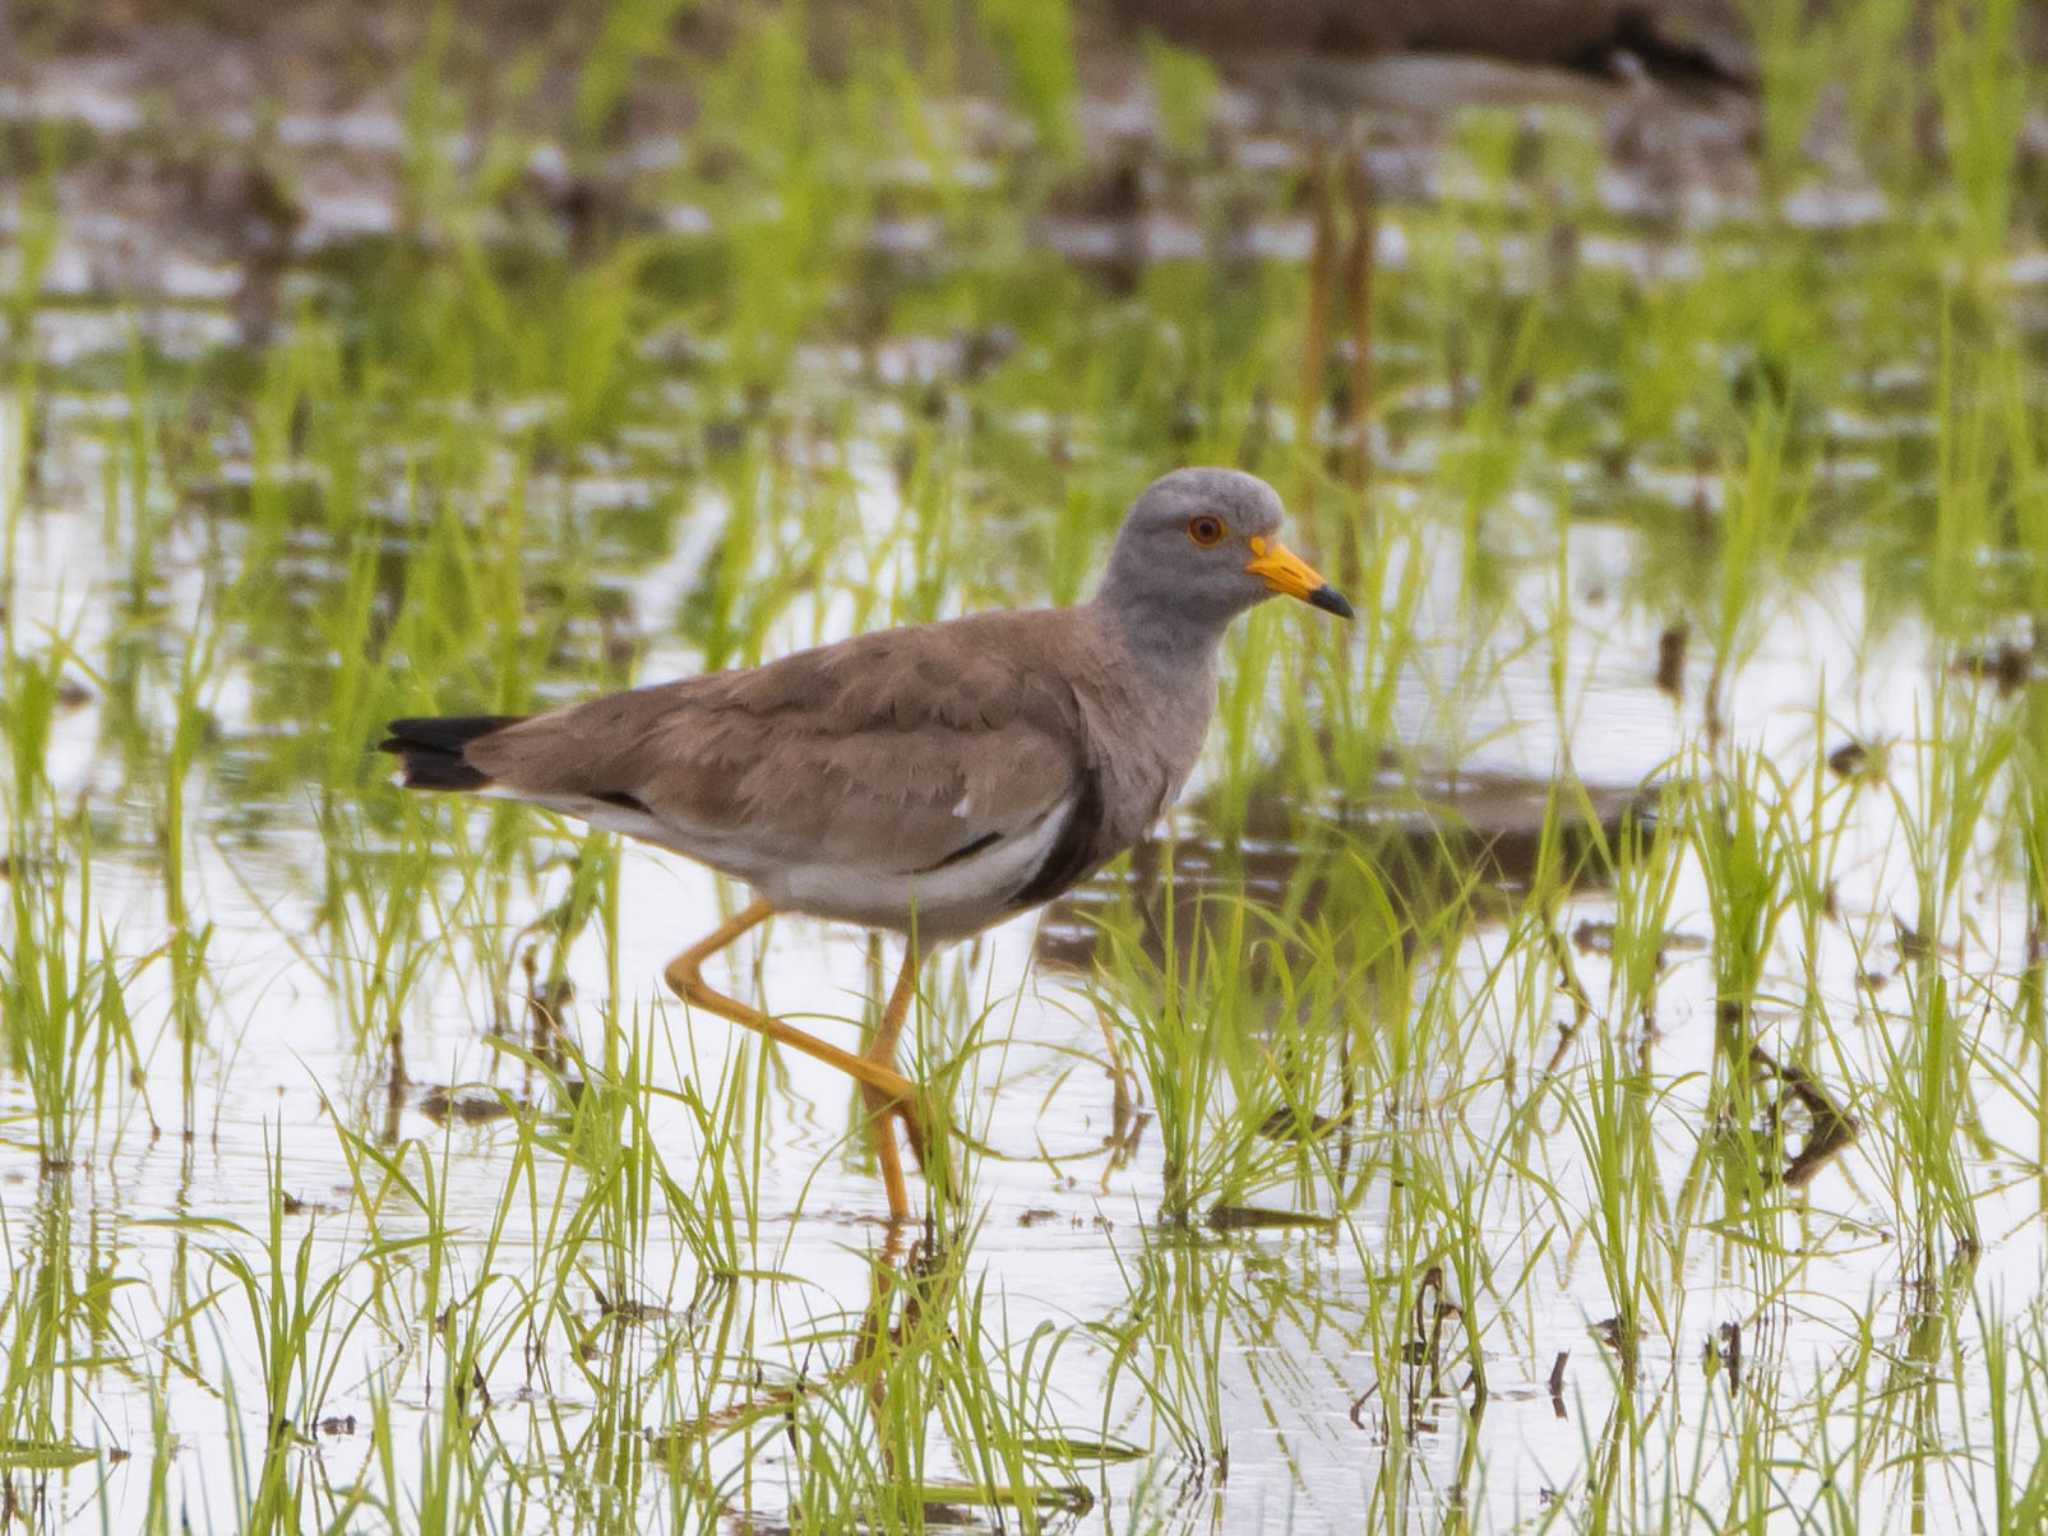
<point>431,748</point>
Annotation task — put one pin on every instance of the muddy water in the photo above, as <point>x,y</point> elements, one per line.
<point>1494,705</point>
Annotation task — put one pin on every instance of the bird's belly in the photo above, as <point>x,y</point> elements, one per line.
<point>948,902</point>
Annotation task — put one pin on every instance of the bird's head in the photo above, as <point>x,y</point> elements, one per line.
<point>1205,543</point>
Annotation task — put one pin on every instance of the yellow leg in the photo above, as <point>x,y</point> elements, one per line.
<point>685,978</point>
<point>884,1107</point>
<point>1124,1124</point>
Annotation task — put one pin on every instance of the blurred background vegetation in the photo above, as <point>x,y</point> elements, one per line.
<point>1664,380</point>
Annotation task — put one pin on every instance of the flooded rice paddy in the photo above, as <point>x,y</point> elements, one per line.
<point>1576,1060</point>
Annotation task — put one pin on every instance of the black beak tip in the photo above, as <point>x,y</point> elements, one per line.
<point>1330,600</point>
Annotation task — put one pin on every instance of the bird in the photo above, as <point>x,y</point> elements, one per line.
<point>931,780</point>
<point>1707,40</point>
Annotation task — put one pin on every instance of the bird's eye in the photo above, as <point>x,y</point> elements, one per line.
<point>1206,530</point>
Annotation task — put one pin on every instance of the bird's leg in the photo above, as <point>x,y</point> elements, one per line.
<point>883,1105</point>
<point>685,978</point>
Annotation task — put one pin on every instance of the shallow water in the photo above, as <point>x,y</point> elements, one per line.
<point>296,474</point>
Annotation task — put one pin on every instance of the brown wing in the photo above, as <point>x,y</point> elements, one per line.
<point>894,751</point>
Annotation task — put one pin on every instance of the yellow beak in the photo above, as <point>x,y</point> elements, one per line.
<point>1281,569</point>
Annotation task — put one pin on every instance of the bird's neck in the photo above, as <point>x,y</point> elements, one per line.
<point>1151,695</point>
<point>1163,639</point>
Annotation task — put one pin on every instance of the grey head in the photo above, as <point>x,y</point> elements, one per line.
<point>1200,547</point>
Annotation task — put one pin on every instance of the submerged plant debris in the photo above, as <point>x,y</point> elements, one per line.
<point>1576,1060</point>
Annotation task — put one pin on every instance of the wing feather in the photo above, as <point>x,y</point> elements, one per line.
<point>892,751</point>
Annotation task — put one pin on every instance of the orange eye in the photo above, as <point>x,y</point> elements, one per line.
<point>1206,530</point>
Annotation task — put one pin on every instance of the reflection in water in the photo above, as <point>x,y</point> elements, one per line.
<point>1428,1073</point>
<point>1475,840</point>
<point>911,1353</point>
